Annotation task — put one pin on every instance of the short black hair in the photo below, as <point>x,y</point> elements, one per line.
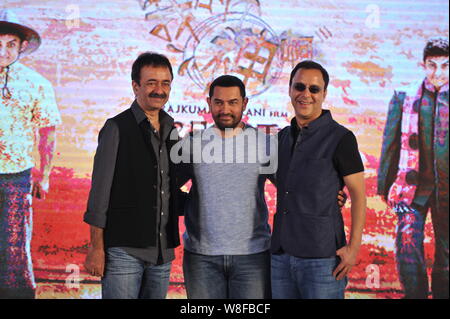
<point>437,46</point>
<point>227,81</point>
<point>148,59</point>
<point>308,64</point>
<point>4,30</point>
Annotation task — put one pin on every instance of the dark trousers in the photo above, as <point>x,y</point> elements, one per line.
<point>410,251</point>
<point>16,268</point>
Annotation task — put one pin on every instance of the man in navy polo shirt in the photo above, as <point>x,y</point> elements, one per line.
<point>317,158</point>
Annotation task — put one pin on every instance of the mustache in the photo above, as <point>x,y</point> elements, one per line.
<point>159,96</point>
<point>231,115</point>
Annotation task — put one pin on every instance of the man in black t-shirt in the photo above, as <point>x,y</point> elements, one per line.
<point>317,158</point>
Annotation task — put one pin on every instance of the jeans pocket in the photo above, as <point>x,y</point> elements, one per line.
<point>117,257</point>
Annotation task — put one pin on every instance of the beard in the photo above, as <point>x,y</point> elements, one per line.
<point>235,121</point>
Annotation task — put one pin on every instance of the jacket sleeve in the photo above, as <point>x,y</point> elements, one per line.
<point>390,151</point>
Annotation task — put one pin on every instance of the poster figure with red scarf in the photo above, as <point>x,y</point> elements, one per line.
<point>413,172</point>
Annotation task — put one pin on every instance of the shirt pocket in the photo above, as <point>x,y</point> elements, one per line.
<point>317,236</point>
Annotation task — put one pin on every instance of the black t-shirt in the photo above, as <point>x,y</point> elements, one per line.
<point>346,158</point>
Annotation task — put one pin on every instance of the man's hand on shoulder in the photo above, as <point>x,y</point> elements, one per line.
<point>341,198</point>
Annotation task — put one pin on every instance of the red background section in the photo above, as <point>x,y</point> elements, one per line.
<point>60,240</point>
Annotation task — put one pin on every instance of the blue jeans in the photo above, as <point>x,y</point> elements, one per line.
<point>227,276</point>
<point>305,278</point>
<point>127,277</point>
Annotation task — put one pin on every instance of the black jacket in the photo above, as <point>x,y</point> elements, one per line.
<point>308,222</point>
<point>131,217</point>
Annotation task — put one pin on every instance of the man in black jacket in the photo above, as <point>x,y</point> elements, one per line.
<point>317,157</point>
<point>131,206</point>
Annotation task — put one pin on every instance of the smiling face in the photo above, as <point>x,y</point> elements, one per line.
<point>153,91</point>
<point>436,70</point>
<point>227,106</point>
<point>307,93</point>
<point>10,47</point>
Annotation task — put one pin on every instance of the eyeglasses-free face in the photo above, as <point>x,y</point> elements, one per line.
<point>227,106</point>
<point>10,47</point>
<point>153,91</point>
<point>436,69</point>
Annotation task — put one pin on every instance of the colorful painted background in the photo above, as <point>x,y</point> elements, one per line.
<point>369,48</point>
